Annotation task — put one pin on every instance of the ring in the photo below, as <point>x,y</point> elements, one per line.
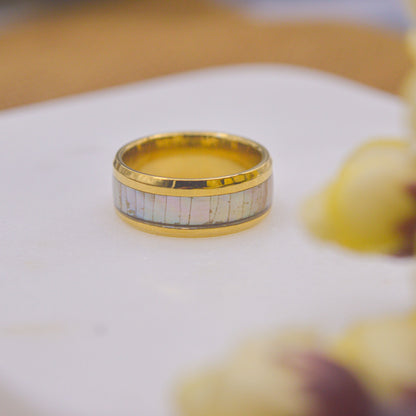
<point>192,184</point>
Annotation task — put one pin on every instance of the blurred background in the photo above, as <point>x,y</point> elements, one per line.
<point>53,48</point>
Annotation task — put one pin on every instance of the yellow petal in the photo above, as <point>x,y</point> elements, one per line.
<point>382,353</point>
<point>369,200</point>
<point>411,43</point>
<point>316,216</point>
<point>253,381</point>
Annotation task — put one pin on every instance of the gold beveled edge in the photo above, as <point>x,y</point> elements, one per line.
<point>194,187</point>
<point>193,232</point>
<point>225,190</point>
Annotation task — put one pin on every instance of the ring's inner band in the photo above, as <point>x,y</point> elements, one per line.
<point>192,156</point>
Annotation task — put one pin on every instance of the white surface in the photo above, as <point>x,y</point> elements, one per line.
<point>97,318</point>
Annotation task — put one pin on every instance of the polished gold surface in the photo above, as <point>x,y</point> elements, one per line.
<point>192,164</point>
<point>191,156</point>
<point>193,232</point>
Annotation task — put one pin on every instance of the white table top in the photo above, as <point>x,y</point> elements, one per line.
<point>97,318</point>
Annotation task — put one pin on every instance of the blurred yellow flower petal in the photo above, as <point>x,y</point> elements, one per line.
<point>411,43</point>
<point>368,203</point>
<point>254,381</point>
<point>383,354</point>
<point>316,215</point>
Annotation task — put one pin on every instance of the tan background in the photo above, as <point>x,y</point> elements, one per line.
<point>105,44</point>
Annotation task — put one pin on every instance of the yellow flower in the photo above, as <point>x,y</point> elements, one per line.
<point>287,375</point>
<point>411,44</point>
<point>383,354</point>
<point>254,381</point>
<point>371,204</point>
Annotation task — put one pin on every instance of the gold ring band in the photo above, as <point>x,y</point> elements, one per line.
<point>192,184</point>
